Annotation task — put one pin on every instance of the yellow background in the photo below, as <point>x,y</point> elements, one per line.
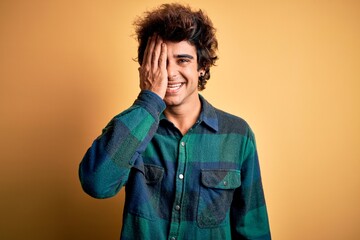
<point>290,68</point>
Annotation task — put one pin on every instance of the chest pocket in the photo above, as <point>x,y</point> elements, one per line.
<point>215,196</point>
<point>143,191</point>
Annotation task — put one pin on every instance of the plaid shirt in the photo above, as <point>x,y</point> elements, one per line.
<point>205,184</point>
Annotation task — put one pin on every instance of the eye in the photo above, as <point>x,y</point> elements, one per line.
<point>183,60</point>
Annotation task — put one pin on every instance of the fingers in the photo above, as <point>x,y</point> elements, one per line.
<point>153,73</point>
<point>163,56</point>
<point>148,51</point>
<point>152,52</point>
<point>156,53</point>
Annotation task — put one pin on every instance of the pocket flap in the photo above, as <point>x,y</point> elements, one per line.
<point>153,173</point>
<point>221,178</point>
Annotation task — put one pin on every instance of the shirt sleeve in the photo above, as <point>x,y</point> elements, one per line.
<point>106,165</point>
<point>249,218</point>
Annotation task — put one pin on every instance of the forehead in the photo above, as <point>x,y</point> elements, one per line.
<point>178,48</point>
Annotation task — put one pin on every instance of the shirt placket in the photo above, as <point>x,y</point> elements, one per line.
<point>179,183</point>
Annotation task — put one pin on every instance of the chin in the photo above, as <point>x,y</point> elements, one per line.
<point>172,101</point>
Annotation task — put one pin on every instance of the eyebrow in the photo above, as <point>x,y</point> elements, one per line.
<point>184,56</point>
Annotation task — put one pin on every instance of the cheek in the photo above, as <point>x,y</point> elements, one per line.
<point>192,76</point>
<point>192,72</point>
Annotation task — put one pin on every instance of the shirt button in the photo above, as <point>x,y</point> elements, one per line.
<point>177,207</point>
<point>181,176</point>
<point>183,144</point>
<point>225,183</point>
<point>173,238</point>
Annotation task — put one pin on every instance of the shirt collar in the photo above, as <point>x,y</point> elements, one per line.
<point>207,116</point>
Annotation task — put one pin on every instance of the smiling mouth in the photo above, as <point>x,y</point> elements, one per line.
<point>173,87</point>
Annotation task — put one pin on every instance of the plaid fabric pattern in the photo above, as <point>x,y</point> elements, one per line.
<point>203,185</point>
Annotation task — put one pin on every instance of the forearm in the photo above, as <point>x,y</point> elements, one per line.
<point>106,165</point>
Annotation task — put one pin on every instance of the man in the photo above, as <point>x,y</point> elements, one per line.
<point>190,171</point>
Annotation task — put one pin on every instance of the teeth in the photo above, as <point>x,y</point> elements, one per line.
<point>174,86</point>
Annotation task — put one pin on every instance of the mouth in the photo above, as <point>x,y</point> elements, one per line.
<point>174,87</point>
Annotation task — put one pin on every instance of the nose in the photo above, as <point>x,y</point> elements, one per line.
<point>171,70</point>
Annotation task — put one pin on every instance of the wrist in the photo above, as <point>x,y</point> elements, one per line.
<point>151,101</point>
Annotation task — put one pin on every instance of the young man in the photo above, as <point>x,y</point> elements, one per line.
<point>190,171</point>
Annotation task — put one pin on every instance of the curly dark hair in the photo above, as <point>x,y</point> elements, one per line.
<point>175,22</point>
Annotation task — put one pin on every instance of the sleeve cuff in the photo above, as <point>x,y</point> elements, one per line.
<point>151,102</point>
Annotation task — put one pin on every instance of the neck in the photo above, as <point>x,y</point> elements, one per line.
<point>183,117</point>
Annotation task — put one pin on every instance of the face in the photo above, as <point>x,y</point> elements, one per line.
<point>183,74</point>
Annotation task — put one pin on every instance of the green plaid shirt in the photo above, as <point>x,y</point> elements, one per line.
<point>205,184</point>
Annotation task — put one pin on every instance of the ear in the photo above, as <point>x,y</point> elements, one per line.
<point>201,72</point>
